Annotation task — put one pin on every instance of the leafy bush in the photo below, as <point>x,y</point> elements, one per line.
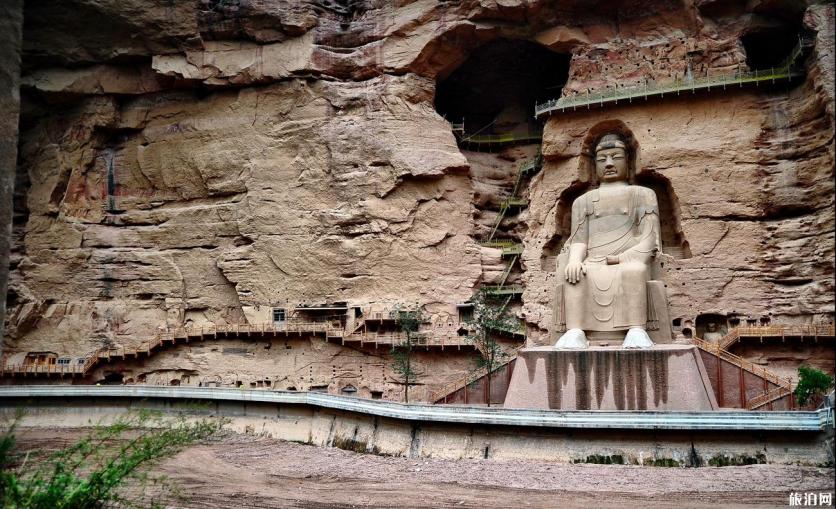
<point>811,383</point>
<point>109,466</point>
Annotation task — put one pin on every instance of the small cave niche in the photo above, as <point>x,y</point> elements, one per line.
<point>711,326</point>
<point>112,379</point>
<point>673,240</point>
<point>495,89</point>
<point>676,325</point>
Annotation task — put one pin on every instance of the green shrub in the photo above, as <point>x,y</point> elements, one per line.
<point>811,382</point>
<point>109,465</point>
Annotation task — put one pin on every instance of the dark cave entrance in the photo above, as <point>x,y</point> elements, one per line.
<point>769,47</point>
<point>773,34</point>
<point>496,88</point>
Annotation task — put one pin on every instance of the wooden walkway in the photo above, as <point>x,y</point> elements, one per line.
<point>782,332</point>
<point>440,338</point>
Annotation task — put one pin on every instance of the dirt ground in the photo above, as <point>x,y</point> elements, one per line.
<point>242,471</point>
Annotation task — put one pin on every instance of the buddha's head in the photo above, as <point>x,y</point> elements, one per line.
<point>611,159</point>
<point>712,327</point>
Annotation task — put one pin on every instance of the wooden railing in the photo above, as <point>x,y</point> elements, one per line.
<point>58,369</point>
<point>729,339</point>
<point>432,336</point>
<point>471,377</point>
<point>742,363</point>
<point>768,397</point>
<point>776,331</point>
<point>172,336</point>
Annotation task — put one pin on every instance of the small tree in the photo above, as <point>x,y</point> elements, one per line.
<point>408,321</point>
<point>812,383</point>
<point>488,318</point>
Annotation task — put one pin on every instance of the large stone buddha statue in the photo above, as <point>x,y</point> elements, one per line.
<point>605,269</point>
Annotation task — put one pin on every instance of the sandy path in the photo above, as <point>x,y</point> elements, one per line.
<point>243,472</point>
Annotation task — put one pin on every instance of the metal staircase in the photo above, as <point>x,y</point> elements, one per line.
<point>511,248</point>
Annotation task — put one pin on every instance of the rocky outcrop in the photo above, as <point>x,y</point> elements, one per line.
<point>232,154</point>
<point>11,24</point>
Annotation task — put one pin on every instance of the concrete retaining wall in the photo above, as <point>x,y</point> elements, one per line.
<point>364,431</point>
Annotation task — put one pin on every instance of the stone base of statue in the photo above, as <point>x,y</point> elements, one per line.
<point>665,377</point>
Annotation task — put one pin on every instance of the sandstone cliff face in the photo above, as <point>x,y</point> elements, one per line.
<point>184,162</point>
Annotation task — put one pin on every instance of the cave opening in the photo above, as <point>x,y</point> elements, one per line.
<point>773,34</point>
<point>113,378</point>
<point>769,47</point>
<point>494,91</point>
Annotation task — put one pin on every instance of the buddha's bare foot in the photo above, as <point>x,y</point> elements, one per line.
<point>637,338</point>
<point>572,339</point>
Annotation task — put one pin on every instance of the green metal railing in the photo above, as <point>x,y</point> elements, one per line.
<point>501,139</point>
<point>499,243</point>
<point>511,247</point>
<point>504,290</point>
<point>512,250</point>
<point>786,71</point>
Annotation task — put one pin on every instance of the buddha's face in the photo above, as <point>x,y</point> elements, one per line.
<point>712,327</point>
<point>611,164</point>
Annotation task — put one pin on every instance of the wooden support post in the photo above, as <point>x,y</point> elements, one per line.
<point>742,388</point>
<point>719,382</point>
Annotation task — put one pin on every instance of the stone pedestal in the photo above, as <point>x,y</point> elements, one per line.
<point>665,377</point>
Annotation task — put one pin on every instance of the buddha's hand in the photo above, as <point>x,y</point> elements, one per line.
<point>574,271</point>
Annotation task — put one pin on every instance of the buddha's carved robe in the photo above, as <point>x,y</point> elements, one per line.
<point>620,221</point>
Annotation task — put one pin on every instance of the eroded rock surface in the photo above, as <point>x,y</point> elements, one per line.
<point>186,162</point>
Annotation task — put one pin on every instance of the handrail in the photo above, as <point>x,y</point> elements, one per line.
<point>514,249</point>
<point>742,363</point>
<point>169,334</point>
<point>768,397</point>
<point>503,290</point>
<point>749,331</point>
<point>500,243</point>
<point>471,377</point>
<point>435,336</point>
<point>786,70</point>
<point>507,271</point>
<point>501,138</point>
